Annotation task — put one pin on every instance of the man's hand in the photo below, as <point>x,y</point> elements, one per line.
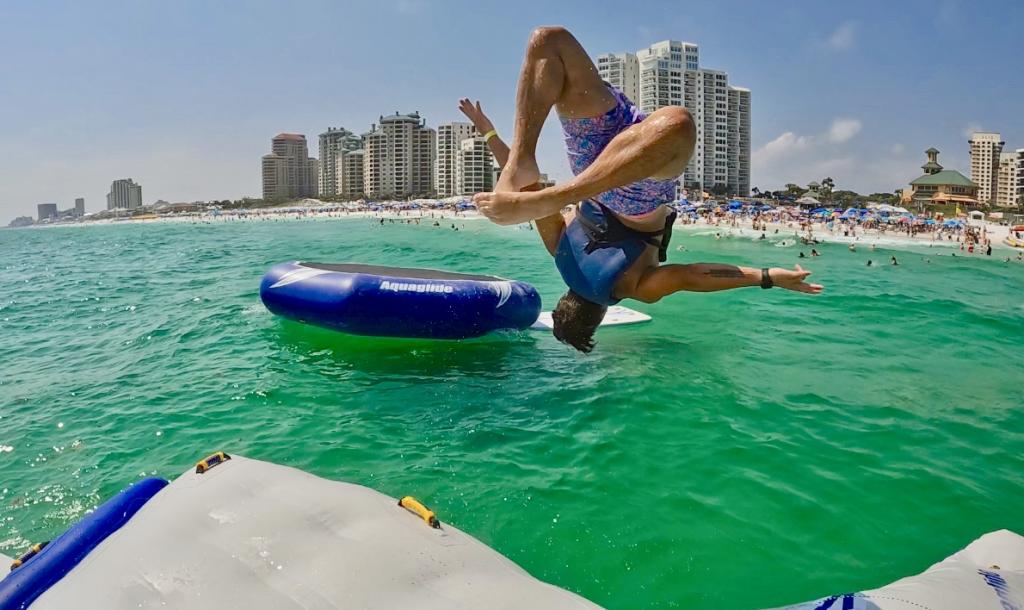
<point>475,113</point>
<point>794,280</point>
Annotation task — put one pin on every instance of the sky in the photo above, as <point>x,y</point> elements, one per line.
<point>185,96</point>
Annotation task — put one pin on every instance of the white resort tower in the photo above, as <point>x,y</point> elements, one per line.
<point>449,141</point>
<point>474,167</point>
<point>1006,180</point>
<point>398,157</point>
<point>124,195</point>
<point>668,73</point>
<point>985,150</point>
<point>349,175</point>
<point>334,143</point>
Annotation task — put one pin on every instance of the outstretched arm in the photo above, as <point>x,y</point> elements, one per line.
<point>483,125</point>
<point>662,281</point>
<point>549,227</point>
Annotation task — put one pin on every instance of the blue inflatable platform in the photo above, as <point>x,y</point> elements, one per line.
<point>398,302</point>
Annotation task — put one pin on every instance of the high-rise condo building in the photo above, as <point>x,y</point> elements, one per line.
<point>288,171</point>
<point>1020,176</point>
<point>349,170</point>
<point>313,176</point>
<point>79,207</point>
<point>398,157</point>
<point>449,144</point>
<point>47,211</point>
<point>985,150</point>
<point>333,144</point>
<point>622,70</point>
<point>474,167</point>
<point>1006,180</point>
<point>124,195</point>
<point>668,73</point>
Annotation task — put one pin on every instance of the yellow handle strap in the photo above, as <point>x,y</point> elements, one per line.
<point>210,461</point>
<point>412,504</point>
<point>490,134</point>
<point>29,554</point>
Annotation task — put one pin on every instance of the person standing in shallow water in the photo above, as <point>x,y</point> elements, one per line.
<point>625,165</point>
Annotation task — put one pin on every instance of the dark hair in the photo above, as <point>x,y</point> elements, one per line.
<point>575,320</point>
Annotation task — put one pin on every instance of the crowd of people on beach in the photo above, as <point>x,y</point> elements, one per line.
<point>802,226</point>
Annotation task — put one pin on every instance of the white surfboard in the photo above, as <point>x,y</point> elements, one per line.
<point>617,316</point>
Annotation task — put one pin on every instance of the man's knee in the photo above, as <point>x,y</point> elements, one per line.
<point>547,35</point>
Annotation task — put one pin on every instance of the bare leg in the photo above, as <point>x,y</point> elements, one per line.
<point>658,147</point>
<point>556,72</point>
<point>662,281</point>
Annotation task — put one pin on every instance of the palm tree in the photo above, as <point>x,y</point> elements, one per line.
<point>826,188</point>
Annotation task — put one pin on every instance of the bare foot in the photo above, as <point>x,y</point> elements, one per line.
<point>519,173</point>
<point>509,208</point>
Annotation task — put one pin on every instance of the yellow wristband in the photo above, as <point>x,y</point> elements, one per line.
<point>490,134</point>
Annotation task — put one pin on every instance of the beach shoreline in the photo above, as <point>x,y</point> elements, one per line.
<point>780,232</point>
<point>862,237</point>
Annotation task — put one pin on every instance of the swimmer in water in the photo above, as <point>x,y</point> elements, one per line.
<point>870,264</point>
<point>815,252</point>
<point>626,166</point>
<point>852,248</point>
<point>893,261</point>
<point>802,255</point>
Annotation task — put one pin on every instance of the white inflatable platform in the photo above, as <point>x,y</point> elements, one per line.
<point>250,535</point>
<point>987,575</point>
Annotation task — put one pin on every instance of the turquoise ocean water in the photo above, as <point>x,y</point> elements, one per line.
<point>745,449</point>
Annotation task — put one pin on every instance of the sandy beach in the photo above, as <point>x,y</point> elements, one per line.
<point>780,231</point>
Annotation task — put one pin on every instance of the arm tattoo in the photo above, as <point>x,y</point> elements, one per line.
<point>724,271</point>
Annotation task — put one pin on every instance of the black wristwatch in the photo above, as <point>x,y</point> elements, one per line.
<point>766,279</point>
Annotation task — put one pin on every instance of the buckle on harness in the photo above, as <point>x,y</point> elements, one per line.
<point>615,231</point>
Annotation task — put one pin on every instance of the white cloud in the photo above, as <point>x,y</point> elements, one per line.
<point>843,129</point>
<point>844,38</point>
<point>792,157</point>
<point>970,128</point>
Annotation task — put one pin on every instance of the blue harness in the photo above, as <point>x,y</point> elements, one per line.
<point>596,249</point>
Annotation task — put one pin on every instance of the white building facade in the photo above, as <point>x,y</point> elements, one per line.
<point>449,144</point>
<point>1006,180</point>
<point>349,175</point>
<point>124,195</point>
<point>398,157</point>
<point>474,167</point>
<point>333,144</point>
<point>1020,176</point>
<point>668,73</point>
<point>622,70</point>
<point>985,150</point>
